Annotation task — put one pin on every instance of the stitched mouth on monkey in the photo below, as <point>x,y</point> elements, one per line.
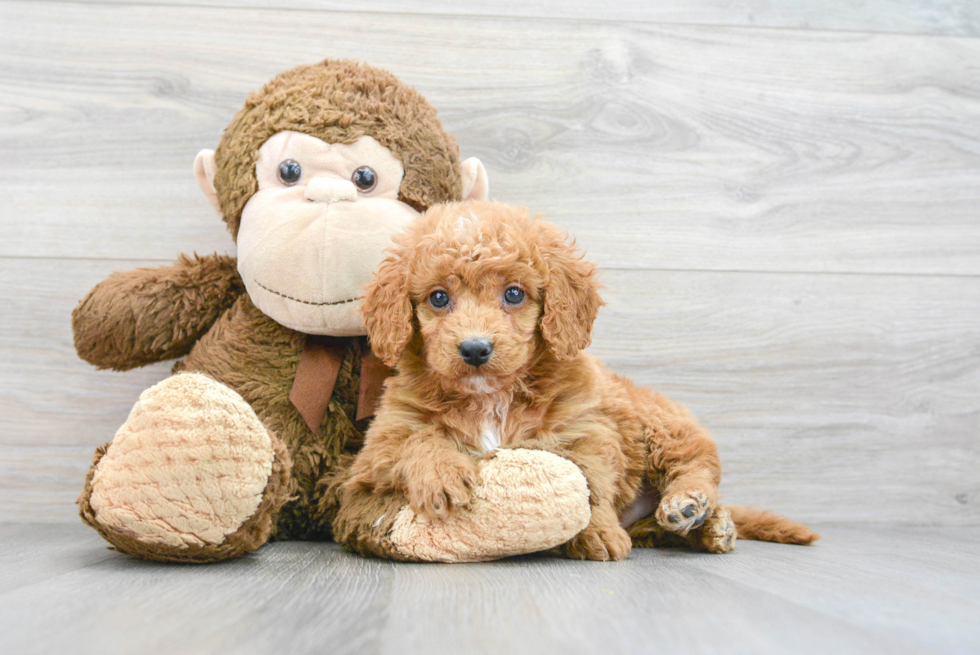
<point>310,302</point>
<point>331,255</point>
<point>308,244</point>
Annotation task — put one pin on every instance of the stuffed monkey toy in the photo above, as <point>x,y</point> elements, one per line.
<point>252,436</point>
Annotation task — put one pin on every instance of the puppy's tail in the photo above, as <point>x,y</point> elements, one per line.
<point>761,525</point>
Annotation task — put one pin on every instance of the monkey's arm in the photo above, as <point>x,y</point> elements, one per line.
<point>148,315</point>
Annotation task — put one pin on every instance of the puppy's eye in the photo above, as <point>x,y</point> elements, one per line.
<point>439,299</point>
<point>364,178</point>
<point>514,296</point>
<point>289,172</point>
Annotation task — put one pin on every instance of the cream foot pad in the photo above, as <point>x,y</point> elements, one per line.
<point>527,501</point>
<point>187,468</point>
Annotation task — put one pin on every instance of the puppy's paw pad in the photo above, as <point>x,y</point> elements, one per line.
<point>682,512</point>
<point>718,534</point>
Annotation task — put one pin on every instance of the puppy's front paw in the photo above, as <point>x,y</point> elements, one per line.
<point>681,512</point>
<point>442,487</point>
<point>600,542</point>
<point>718,534</point>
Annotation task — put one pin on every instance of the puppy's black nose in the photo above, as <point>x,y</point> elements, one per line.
<point>475,352</point>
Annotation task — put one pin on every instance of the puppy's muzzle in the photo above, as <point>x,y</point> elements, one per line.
<point>476,352</point>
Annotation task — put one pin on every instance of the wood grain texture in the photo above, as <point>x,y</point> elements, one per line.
<point>856,591</point>
<point>664,147</point>
<point>851,395</point>
<point>788,218</point>
<point>32,553</point>
<point>947,17</point>
<point>833,398</point>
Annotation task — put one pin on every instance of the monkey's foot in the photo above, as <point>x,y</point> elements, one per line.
<point>718,533</point>
<point>191,476</point>
<point>525,501</point>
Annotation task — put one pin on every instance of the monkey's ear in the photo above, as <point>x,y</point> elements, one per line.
<point>387,309</point>
<point>205,170</point>
<point>476,186</point>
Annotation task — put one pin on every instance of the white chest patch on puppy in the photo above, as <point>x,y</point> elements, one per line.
<point>492,410</point>
<point>489,438</point>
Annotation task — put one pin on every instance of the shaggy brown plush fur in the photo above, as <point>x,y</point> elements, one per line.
<point>537,390</point>
<point>151,314</point>
<point>339,102</point>
<point>198,307</point>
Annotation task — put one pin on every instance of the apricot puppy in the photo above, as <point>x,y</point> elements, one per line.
<point>485,312</point>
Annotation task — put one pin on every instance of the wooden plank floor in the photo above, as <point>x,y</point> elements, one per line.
<point>893,590</point>
<point>785,200</point>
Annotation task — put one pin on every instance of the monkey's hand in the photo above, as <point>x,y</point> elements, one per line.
<point>525,501</point>
<point>148,315</point>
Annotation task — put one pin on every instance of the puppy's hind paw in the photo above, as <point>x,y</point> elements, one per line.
<point>718,533</point>
<point>682,512</point>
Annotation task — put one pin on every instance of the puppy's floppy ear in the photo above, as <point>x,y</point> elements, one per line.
<point>571,294</point>
<point>387,309</point>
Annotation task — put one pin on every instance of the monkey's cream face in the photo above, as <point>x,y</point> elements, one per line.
<point>317,228</point>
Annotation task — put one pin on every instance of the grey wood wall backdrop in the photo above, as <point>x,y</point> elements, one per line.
<point>785,197</point>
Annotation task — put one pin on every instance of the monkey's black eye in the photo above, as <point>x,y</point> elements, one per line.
<point>289,172</point>
<point>514,296</point>
<point>439,299</point>
<point>364,178</point>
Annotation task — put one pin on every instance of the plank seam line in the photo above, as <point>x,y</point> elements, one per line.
<point>626,23</point>
<point>137,260</point>
<point>747,271</point>
<point>602,268</point>
<point>784,598</point>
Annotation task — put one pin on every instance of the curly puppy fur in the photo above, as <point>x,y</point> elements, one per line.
<point>537,389</point>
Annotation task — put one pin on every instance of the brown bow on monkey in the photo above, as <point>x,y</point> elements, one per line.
<point>317,373</point>
<point>312,176</point>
